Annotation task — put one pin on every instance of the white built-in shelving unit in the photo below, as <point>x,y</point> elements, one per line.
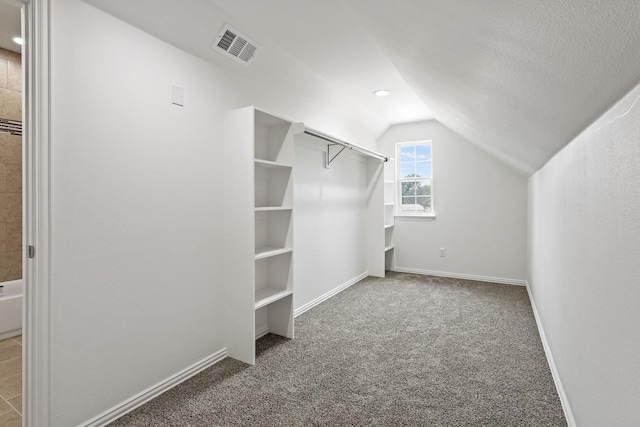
<point>389,224</point>
<point>259,229</point>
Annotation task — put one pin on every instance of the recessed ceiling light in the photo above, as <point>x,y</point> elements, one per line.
<point>381,92</point>
<point>17,40</point>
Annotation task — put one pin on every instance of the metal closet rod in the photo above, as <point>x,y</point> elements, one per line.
<point>348,145</point>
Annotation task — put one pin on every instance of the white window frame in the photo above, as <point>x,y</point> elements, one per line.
<point>400,180</point>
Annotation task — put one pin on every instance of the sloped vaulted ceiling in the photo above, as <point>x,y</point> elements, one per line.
<point>518,78</point>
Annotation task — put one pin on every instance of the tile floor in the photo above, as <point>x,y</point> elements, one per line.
<point>11,382</point>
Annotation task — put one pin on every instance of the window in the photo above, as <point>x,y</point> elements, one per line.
<point>414,169</point>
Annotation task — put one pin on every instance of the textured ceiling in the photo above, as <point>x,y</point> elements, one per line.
<point>518,78</point>
<point>325,37</point>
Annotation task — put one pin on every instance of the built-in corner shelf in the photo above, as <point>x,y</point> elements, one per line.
<point>272,208</point>
<point>266,296</point>
<point>269,252</point>
<point>389,220</point>
<point>259,158</point>
<point>269,164</point>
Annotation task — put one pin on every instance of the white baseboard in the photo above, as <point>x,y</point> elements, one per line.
<point>10,334</point>
<point>262,331</point>
<point>552,364</point>
<point>516,282</point>
<point>155,390</point>
<point>308,306</point>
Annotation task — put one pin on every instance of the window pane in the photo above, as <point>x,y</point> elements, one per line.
<point>409,204</point>
<point>423,169</point>
<point>408,170</point>
<point>424,203</point>
<point>407,154</point>
<point>409,188</point>
<point>423,188</point>
<point>414,172</point>
<point>423,152</point>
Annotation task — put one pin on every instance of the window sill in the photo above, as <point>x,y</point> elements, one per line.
<point>430,217</point>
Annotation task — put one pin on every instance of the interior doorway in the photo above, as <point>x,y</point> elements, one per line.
<point>12,271</point>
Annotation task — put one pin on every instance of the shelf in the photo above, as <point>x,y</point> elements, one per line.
<point>259,153</point>
<point>273,230</point>
<point>273,139</point>
<point>272,208</point>
<point>273,185</point>
<point>388,248</point>
<point>388,226</point>
<point>266,296</point>
<point>269,164</point>
<point>269,252</point>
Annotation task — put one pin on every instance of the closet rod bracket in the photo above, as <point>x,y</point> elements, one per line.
<point>332,158</point>
<point>335,141</point>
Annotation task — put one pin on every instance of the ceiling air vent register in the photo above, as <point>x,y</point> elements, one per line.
<point>232,43</point>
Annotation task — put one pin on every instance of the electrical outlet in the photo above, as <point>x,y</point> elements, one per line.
<point>442,252</point>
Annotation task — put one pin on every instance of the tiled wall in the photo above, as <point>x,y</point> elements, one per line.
<point>10,169</point>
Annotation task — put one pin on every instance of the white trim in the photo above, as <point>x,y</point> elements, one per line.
<point>308,306</point>
<point>262,331</point>
<point>36,341</point>
<point>552,364</point>
<point>516,282</point>
<point>154,391</point>
<point>406,217</point>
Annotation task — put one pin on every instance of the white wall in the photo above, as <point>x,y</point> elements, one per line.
<point>136,207</point>
<point>584,265</point>
<point>481,209</point>
<point>329,226</point>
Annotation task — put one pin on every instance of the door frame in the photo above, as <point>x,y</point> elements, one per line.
<point>36,382</point>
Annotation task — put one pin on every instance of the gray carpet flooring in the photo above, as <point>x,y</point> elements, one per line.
<point>406,350</point>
